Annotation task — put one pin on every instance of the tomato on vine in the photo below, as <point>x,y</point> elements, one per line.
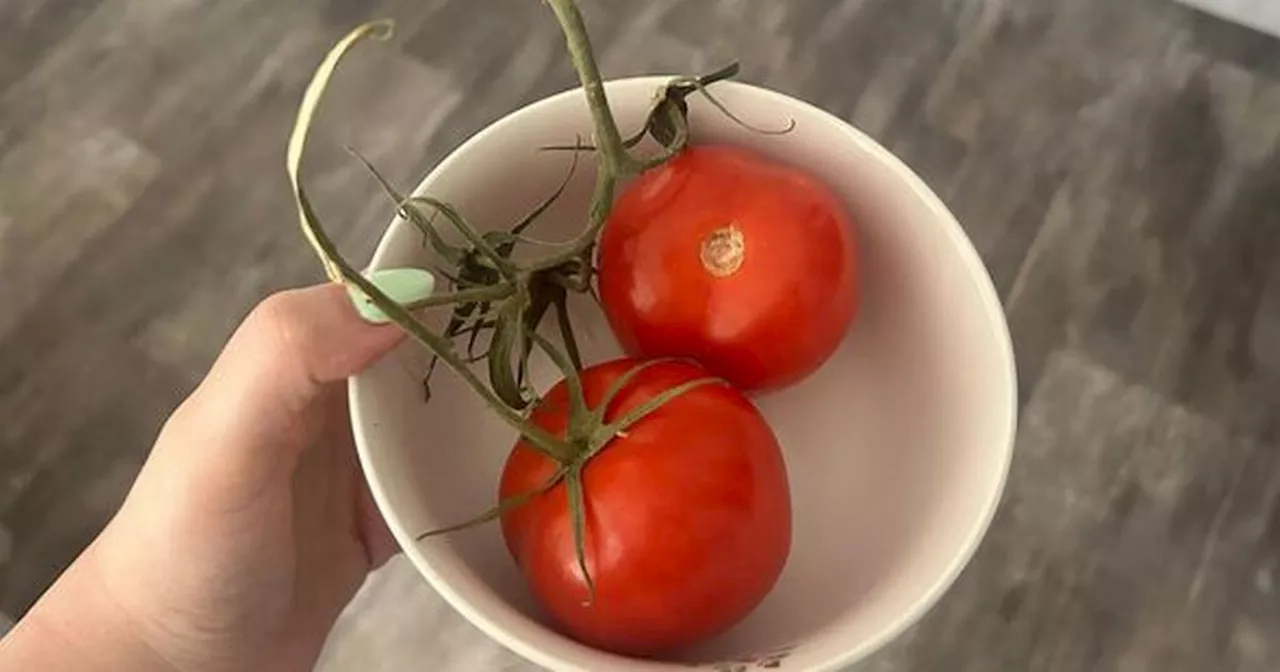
<point>647,500</point>
<point>745,264</point>
<point>687,512</point>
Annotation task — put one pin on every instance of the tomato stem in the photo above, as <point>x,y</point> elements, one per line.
<point>614,162</point>
<point>700,85</point>
<point>487,280</point>
<point>473,295</point>
<point>565,323</point>
<point>505,266</point>
<point>579,413</point>
<point>425,225</point>
<point>340,270</point>
<point>604,433</point>
<point>486,272</point>
<point>578,521</point>
<point>510,503</point>
<point>613,155</point>
<point>615,388</point>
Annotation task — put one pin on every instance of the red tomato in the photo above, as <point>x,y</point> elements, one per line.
<point>688,516</point>
<point>744,264</point>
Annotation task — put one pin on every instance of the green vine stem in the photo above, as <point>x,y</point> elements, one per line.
<point>493,292</point>
<point>503,507</point>
<point>614,156</point>
<point>473,295</point>
<point>578,523</point>
<point>614,163</point>
<point>340,270</point>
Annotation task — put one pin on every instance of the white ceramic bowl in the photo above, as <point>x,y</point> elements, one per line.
<point>897,450</point>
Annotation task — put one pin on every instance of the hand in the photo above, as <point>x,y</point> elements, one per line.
<point>249,527</point>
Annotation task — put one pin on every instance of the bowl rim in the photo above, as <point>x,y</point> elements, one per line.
<point>942,217</point>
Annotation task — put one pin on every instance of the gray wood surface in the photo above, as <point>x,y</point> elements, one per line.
<point>1263,15</point>
<point>1115,161</point>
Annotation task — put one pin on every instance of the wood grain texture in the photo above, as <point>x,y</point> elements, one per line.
<point>1117,164</point>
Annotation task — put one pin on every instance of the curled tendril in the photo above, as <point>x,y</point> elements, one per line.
<point>494,295</point>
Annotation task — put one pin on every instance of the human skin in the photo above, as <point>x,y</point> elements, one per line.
<point>249,527</point>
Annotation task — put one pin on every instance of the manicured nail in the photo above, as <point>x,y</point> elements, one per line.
<point>403,285</point>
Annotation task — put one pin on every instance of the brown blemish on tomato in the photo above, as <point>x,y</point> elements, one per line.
<point>723,251</point>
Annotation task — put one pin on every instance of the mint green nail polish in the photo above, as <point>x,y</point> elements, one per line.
<point>403,285</point>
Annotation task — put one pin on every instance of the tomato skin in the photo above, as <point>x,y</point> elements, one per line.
<point>688,517</point>
<point>765,324</point>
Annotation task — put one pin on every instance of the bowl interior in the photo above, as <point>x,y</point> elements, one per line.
<point>896,450</point>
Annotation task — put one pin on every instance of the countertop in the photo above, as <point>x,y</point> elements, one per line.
<point>1116,163</point>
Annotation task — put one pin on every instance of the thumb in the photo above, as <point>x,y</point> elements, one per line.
<point>282,356</point>
<point>260,405</point>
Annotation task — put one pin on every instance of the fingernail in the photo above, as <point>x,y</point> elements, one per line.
<point>403,285</point>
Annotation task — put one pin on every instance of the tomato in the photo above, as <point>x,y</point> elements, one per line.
<point>746,265</point>
<point>688,514</point>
